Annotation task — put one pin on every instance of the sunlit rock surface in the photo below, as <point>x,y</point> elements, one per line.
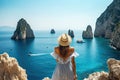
<point>10,69</point>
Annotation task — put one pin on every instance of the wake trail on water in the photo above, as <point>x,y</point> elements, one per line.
<point>38,54</point>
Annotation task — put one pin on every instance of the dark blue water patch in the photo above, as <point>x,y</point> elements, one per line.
<point>34,54</point>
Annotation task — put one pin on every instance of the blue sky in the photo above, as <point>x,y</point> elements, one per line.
<point>47,14</point>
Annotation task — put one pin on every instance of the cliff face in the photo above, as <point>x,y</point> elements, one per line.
<point>114,72</point>
<point>115,39</point>
<point>88,33</point>
<point>106,22</point>
<point>23,30</point>
<point>10,69</point>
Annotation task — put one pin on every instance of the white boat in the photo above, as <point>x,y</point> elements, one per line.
<point>80,41</point>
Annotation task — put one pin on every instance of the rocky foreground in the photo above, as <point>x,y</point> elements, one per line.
<point>10,69</point>
<point>114,72</point>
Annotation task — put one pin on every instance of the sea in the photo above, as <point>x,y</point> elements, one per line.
<point>34,54</point>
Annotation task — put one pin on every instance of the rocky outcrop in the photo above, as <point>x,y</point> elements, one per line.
<point>23,30</point>
<point>98,76</point>
<point>46,78</point>
<point>115,39</point>
<point>10,69</point>
<point>107,21</point>
<point>52,31</point>
<point>114,69</point>
<point>88,33</point>
<point>114,72</point>
<point>71,33</point>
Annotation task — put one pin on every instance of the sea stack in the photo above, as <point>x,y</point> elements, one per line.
<point>52,31</point>
<point>10,69</point>
<point>71,33</point>
<point>23,30</point>
<point>88,33</point>
<point>106,23</point>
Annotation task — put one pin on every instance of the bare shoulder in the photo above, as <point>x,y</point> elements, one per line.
<point>72,49</point>
<point>56,49</point>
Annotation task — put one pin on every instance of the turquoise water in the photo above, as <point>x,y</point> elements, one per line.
<point>93,54</point>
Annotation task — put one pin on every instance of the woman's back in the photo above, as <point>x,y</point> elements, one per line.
<point>63,69</point>
<point>64,55</point>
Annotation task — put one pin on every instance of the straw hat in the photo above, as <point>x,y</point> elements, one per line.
<point>64,40</point>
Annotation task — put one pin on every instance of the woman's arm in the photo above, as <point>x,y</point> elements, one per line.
<point>74,68</point>
<point>57,60</point>
<point>56,51</point>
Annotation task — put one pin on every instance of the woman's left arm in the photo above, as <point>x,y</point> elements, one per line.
<point>74,68</point>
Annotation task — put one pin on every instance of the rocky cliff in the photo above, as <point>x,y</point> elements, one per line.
<point>23,30</point>
<point>115,39</point>
<point>107,21</point>
<point>10,69</point>
<point>88,33</point>
<point>114,72</point>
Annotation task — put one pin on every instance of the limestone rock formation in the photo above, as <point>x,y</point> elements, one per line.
<point>23,30</point>
<point>114,69</point>
<point>71,33</point>
<point>115,39</point>
<point>10,69</point>
<point>98,76</point>
<point>88,33</point>
<point>114,72</point>
<point>52,31</point>
<point>107,21</point>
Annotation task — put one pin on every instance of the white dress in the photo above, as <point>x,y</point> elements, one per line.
<point>63,70</point>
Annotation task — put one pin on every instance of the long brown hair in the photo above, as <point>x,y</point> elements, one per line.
<point>63,50</point>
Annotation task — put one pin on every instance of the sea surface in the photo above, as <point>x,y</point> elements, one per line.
<point>34,54</point>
